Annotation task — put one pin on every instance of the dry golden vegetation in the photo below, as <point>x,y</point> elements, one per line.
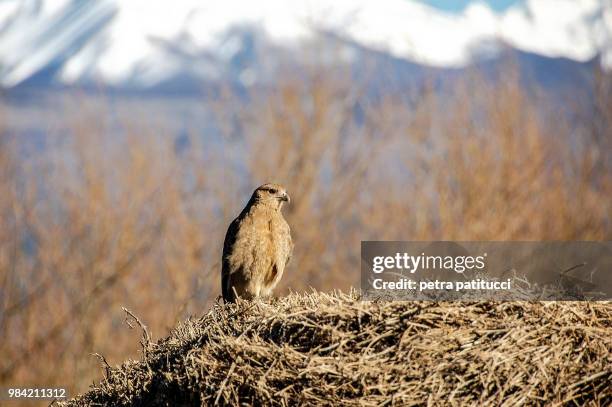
<point>111,215</point>
<point>319,349</point>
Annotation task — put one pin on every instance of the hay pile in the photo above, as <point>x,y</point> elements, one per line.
<point>332,349</point>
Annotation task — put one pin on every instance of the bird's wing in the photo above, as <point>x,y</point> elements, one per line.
<point>289,244</point>
<point>228,244</point>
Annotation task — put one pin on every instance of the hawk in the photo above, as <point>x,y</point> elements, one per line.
<point>257,246</point>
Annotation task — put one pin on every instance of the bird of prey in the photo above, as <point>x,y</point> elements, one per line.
<point>257,246</point>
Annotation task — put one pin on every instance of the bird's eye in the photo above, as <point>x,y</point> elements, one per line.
<point>272,190</point>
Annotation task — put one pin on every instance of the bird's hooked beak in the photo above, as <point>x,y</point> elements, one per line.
<point>285,197</point>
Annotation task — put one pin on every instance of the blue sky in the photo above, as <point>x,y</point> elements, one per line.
<point>458,5</point>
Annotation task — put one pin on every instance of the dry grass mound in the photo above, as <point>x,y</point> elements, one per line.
<point>332,349</point>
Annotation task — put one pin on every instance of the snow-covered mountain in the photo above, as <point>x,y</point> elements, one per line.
<point>142,43</point>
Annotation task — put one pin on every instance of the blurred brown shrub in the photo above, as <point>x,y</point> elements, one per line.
<point>100,220</point>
